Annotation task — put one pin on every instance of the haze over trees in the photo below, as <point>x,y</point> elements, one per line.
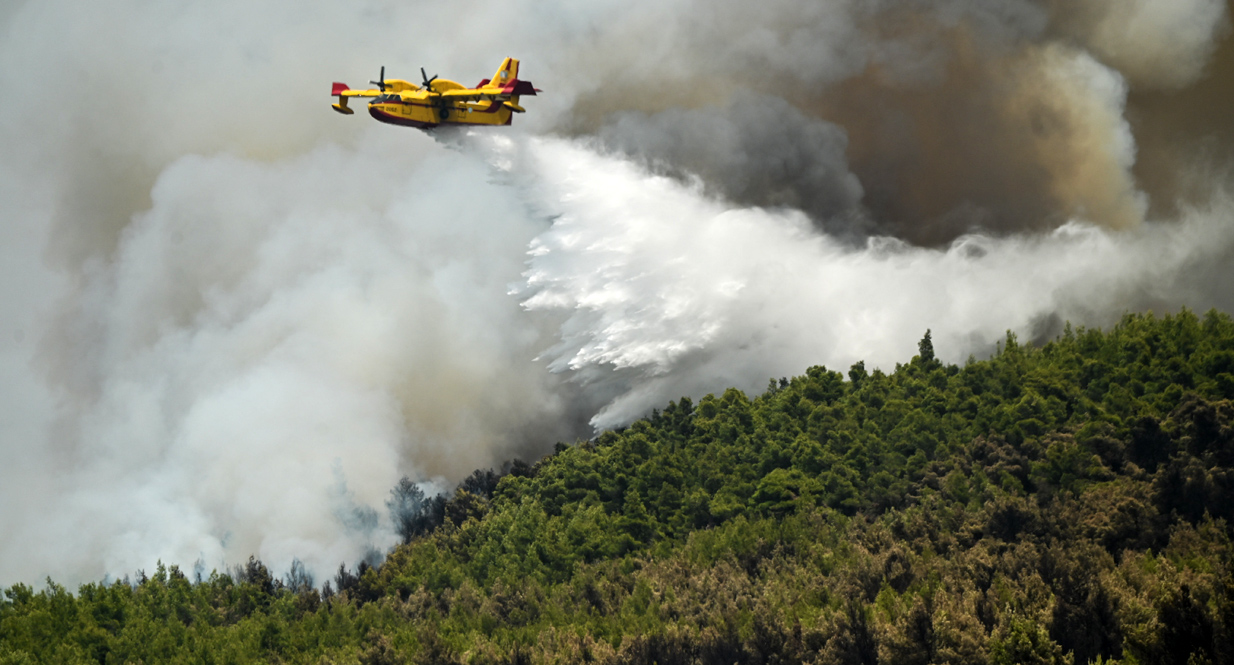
<point>1064,504</point>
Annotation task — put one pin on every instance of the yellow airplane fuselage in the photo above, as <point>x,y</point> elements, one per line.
<point>416,109</point>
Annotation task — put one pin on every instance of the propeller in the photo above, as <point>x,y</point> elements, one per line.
<point>381,85</point>
<point>428,82</point>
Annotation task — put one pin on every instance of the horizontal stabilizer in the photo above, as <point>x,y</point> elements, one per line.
<point>522,88</point>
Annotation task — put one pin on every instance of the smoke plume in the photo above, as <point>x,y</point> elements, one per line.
<point>231,319</point>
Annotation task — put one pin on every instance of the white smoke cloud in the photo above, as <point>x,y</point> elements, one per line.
<point>672,293</point>
<point>267,332</point>
<point>1155,43</point>
<point>230,319</point>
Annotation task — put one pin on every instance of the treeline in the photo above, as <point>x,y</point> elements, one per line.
<point>1064,504</point>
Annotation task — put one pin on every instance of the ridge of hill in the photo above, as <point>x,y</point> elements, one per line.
<point>1068,503</point>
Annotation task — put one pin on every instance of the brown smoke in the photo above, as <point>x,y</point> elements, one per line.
<point>1000,142</point>
<point>1185,135</point>
<point>1002,116</point>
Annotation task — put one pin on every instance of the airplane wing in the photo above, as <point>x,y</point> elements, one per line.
<point>516,88</point>
<point>467,95</point>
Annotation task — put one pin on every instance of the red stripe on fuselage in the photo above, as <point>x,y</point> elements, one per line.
<point>392,119</point>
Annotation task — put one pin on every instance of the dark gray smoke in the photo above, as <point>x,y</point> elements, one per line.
<point>757,149</point>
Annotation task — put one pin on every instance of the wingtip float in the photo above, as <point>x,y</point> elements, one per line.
<point>438,102</point>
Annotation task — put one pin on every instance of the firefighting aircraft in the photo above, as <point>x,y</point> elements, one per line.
<point>441,102</point>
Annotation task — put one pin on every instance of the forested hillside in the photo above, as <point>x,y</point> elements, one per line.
<point>1069,503</point>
